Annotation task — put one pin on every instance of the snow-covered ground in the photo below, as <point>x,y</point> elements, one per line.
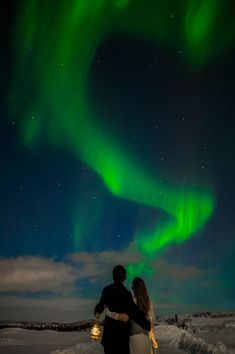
<point>207,332</point>
<point>213,328</point>
<point>201,335</point>
<point>23,341</point>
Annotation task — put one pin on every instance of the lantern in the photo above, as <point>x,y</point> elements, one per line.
<point>95,331</point>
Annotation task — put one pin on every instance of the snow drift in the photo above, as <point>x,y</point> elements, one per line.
<point>174,336</point>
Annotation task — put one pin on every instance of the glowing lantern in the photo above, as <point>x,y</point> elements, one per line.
<point>95,331</point>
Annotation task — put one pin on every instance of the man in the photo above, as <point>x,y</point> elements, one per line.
<point>117,298</point>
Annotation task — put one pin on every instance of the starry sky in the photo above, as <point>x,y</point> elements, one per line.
<point>117,146</point>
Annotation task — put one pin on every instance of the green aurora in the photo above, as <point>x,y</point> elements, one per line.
<point>54,38</point>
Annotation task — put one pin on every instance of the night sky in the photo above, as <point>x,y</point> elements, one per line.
<point>117,146</point>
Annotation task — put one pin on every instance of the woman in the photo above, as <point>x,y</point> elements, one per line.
<point>141,342</point>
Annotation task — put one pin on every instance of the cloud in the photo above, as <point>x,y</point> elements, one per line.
<point>174,287</point>
<point>35,274</point>
<point>165,269</point>
<point>100,264</point>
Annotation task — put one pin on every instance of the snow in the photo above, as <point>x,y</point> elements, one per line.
<point>184,340</point>
<point>25,341</point>
<point>200,335</point>
<point>83,348</point>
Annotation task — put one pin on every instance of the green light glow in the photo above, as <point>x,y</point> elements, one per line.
<point>199,18</point>
<point>59,51</point>
<point>199,25</point>
<point>134,270</point>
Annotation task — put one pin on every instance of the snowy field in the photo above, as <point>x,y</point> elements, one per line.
<point>23,341</point>
<point>202,335</point>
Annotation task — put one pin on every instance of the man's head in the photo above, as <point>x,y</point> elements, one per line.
<point>119,274</point>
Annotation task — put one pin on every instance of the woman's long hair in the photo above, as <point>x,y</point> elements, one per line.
<point>141,295</point>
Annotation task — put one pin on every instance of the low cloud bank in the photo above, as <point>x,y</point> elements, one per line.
<point>47,309</point>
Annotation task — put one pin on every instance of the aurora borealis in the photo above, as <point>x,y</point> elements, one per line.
<point>111,107</point>
<point>71,122</point>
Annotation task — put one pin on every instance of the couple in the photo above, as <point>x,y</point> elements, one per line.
<point>129,323</point>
